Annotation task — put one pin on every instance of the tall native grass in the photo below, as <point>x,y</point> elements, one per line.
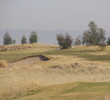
<point>58,70</point>
<point>65,66</point>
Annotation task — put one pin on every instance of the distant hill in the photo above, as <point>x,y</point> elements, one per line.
<point>45,37</point>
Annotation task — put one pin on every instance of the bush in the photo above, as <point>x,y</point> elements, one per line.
<point>3,63</point>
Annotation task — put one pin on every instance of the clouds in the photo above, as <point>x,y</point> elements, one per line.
<point>53,14</point>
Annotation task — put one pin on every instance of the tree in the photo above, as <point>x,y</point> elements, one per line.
<point>14,41</point>
<point>101,36</point>
<point>33,37</point>
<point>94,35</point>
<point>78,41</point>
<point>108,41</point>
<point>60,39</point>
<point>7,39</point>
<point>93,32</point>
<point>23,40</point>
<point>65,41</point>
<point>102,46</point>
<point>86,38</point>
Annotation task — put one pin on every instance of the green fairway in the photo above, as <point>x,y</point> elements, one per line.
<point>71,91</point>
<point>92,53</point>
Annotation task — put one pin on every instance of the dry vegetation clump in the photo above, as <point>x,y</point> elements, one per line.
<point>53,46</point>
<point>3,64</point>
<point>23,46</point>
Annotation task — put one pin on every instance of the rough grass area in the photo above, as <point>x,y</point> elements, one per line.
<point>19,80</point>
<point>87,69</point>
<point>72,91</point>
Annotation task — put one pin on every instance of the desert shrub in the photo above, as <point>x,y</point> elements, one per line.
<point>3,63</point>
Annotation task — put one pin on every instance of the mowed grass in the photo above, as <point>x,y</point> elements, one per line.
<point>92,53</point>
<point>71,91</point>
<point>15,55</point>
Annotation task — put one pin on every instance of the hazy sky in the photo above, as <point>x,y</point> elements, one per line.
<point>54,14</point>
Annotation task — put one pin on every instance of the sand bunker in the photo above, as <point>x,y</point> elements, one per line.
<point>29,60</point>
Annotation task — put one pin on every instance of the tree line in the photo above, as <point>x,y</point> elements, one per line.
<point>8,40</point>
<point>94,35</point>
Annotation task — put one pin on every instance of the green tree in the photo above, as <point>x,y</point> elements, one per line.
<point>94,35</point>
<point>33,37</point>
<point>86,38</point>
<point>23,40</point>
<point>14,41</point>
<point>108,41</point>
<point>102,46</point>
<point>60,39</point>
<point>7,39</point>
<point>77,41</point>
<point>65,41</point>
<point>101,36</point>
<point>93,32</point>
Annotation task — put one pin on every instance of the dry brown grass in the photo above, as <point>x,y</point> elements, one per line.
<point>24,46</point>
<point>3,64</point>
<point>58,70</point>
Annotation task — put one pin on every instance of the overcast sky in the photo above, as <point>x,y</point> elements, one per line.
<point>54,14</point>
